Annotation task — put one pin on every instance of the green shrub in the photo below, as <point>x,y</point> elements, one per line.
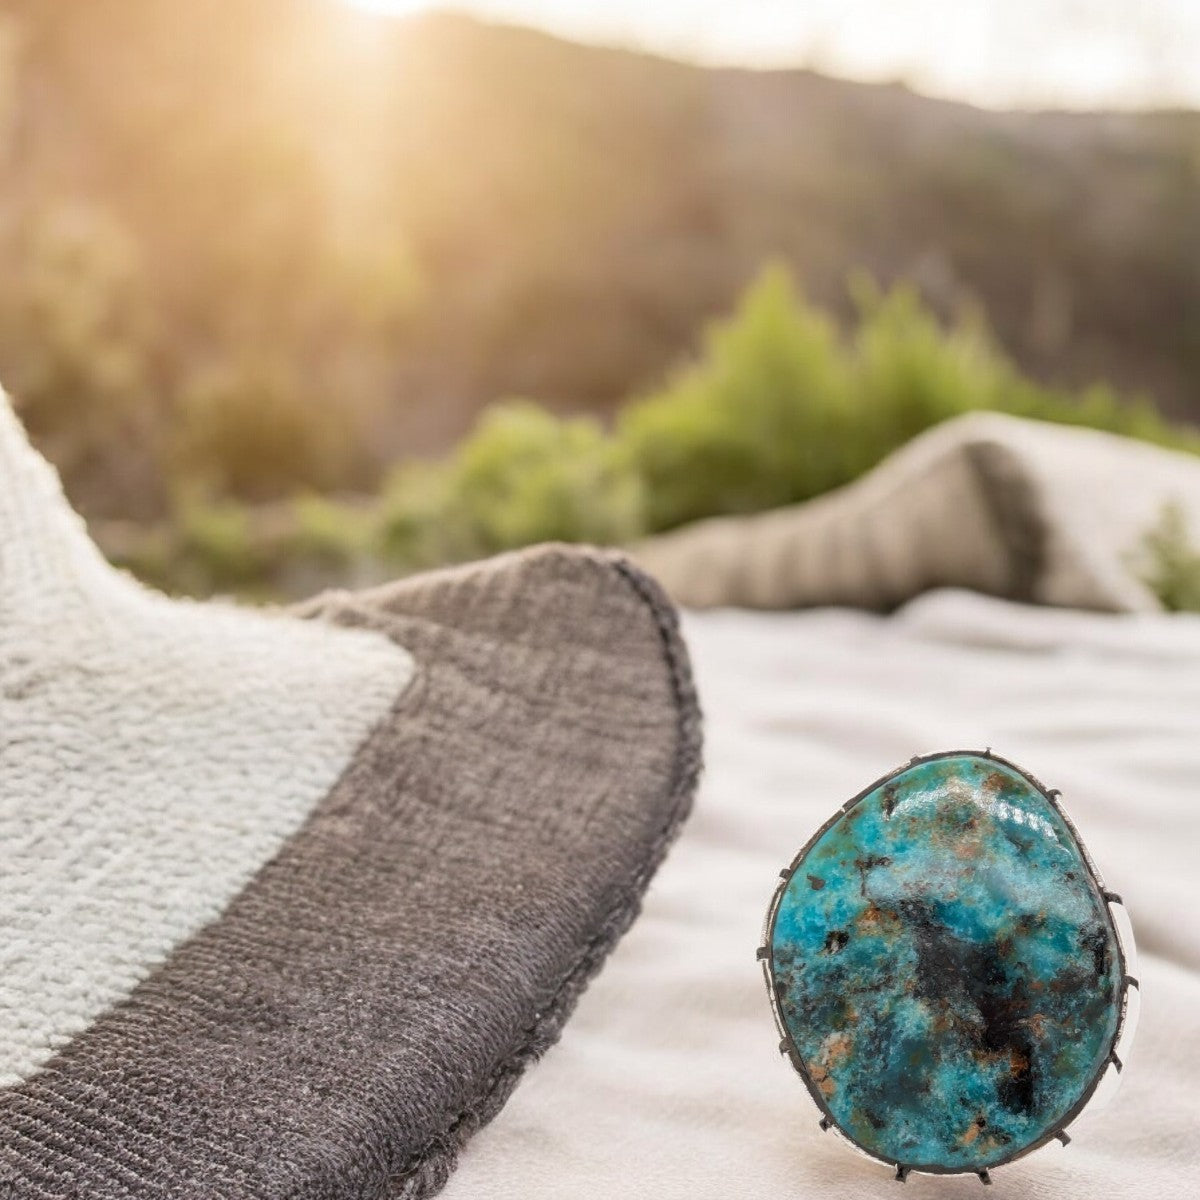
<point>257,552</point>
<point>205,548</point>
<point>251,430</point>
<point>776,409</point>
<point>761,420</point>
<point>779,408</point>
<point>909,373</point>
<point>326,532</point>
<point>1168,562</point>
<point>523,476</point>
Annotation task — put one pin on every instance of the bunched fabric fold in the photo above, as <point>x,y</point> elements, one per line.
<point>1025,510</point>
<point>289,905</point>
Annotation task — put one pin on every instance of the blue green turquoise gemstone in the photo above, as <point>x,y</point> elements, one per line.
<point>946,968</point>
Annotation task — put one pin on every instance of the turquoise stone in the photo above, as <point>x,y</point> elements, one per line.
<point>945,967</point>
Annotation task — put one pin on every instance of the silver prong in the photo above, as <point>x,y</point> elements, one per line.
<point>1064,1137</point>
<point>985,1178</point>
<point>902,1173</point>
<point>825,1124</point>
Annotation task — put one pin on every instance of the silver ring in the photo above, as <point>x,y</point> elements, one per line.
<point>948,972</point>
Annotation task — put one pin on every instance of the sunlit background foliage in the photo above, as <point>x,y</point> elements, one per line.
<point>296,296</point>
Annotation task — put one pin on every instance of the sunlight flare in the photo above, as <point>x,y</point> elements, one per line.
<point>393,8</point>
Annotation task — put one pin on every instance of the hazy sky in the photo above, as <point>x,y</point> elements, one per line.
<point>1078,53</point>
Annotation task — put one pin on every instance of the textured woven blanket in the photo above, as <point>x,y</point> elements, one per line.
<point>287,906</point>
<point>1020,509</point>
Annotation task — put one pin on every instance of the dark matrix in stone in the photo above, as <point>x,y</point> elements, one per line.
<point>946,967</point>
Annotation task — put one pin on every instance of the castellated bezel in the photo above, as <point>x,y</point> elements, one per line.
<point>1103,1085</point>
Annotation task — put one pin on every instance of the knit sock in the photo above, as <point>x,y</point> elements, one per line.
<point>1027,510</point>
<point>289,904</point>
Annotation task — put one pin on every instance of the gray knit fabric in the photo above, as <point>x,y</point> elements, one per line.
<point>372,995</point>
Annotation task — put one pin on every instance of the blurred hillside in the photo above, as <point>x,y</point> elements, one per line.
<point>256,246</point>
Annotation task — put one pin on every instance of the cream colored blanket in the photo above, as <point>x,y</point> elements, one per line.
<point>1013,508</point>
<point>668,1081</point>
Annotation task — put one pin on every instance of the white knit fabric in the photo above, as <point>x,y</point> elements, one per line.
<point>153,755</point>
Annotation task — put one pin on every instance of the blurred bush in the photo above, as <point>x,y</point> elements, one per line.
<point>1168,562</point>
<point>777,408</point>
<point>258,247</point>
<point>762,419</point>
<point>79,340</point>
<point>523,476</point>
<point>253,429</point>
